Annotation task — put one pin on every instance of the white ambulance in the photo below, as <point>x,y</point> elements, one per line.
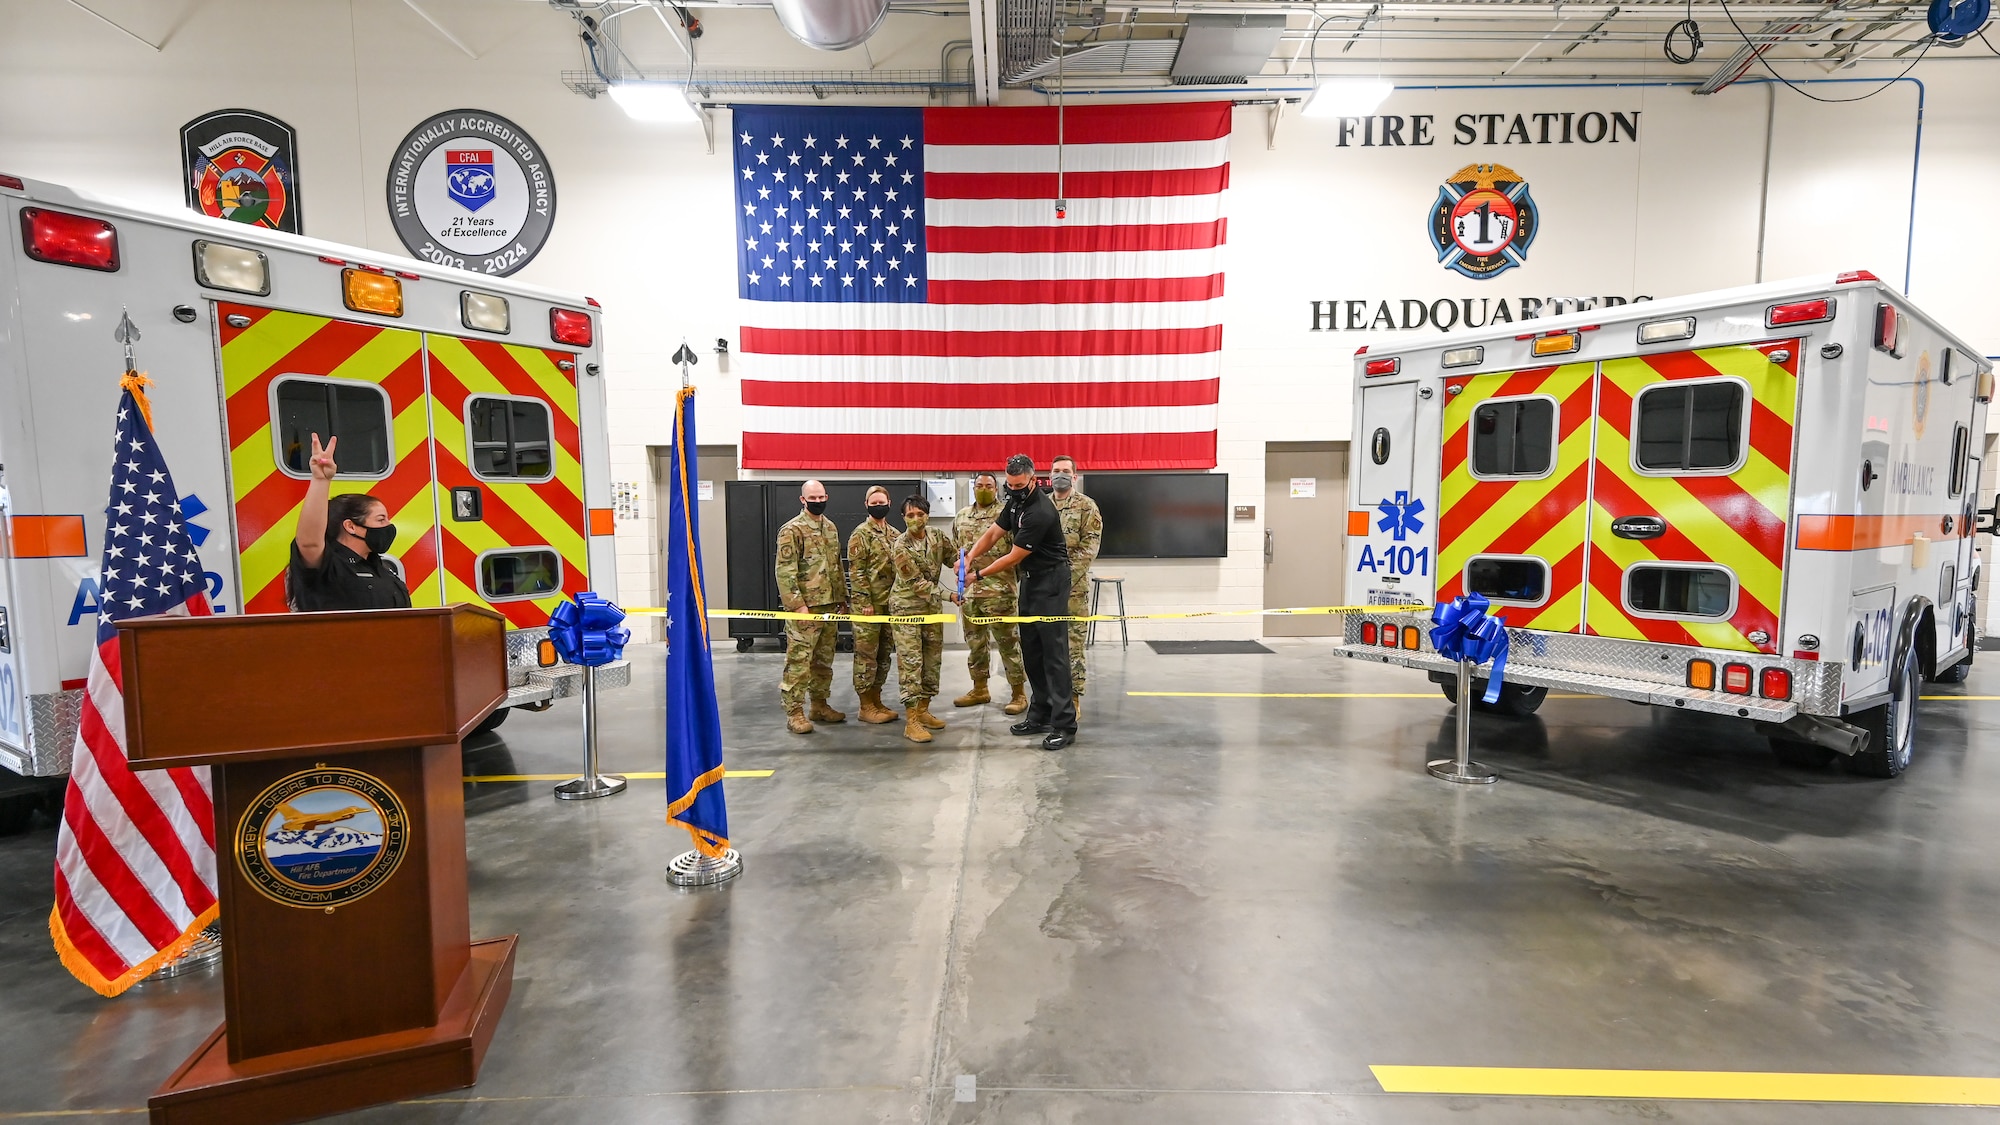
<point>1758,502</point>
<point>473,406</point>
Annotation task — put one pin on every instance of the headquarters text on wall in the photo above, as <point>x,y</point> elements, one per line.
<point>1419,130</point>
<point>1447,313</point>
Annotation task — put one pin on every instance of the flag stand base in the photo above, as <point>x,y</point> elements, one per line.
<point>1462,770</point>
<point>206,951</point>
<point>693,869</point>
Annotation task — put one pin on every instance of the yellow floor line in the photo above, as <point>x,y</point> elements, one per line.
<point>1315,695</point>
<point>653,775</point>
<point>1413,695</point>
<point>1704,1085</point>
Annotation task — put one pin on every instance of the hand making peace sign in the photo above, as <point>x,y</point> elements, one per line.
<point>323,467</point>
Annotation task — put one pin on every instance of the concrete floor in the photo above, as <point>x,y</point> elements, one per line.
<point>1209,910</point>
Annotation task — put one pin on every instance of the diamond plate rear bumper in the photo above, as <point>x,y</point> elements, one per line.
<point>1641,671</point>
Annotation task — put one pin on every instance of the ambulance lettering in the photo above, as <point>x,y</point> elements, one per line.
<point>88,596</point>
<point>1872,640</point>
<point>1401,518</point>
<point>10,704</point>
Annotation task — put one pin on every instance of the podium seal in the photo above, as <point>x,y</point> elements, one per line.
<point>322,838</point>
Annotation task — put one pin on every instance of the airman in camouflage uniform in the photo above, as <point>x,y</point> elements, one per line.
<point>810,581</point>
<point>993,596</point>
<point>1083,534</point>
<point>920,555</point>
<point>870,574</point>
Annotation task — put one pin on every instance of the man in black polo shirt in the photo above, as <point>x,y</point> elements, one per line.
<point>1030,519</point>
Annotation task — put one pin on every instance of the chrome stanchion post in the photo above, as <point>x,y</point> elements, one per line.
<point>592,784</point>
<point>1463,770</point>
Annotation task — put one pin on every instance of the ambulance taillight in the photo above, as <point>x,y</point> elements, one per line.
<point>1413,637</point>
<point>1799,312</point>
<point>1775,683</point>
<point>1701,675</point>
<point>219,265</point>
<point>567,326</point>
<point>1367,632</point>
<point>1888,328</point>
<point>1736,679</point>
<point>63,239</point>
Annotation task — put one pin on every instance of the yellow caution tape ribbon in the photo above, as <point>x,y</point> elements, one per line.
<point>941,618</point>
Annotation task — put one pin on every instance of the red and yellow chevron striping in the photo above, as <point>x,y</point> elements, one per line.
<point>1735,519</point>
<point>517,513</point>
<point>273,345</point>
<point>1543,517</point>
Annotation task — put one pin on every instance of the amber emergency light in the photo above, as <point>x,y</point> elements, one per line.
<point>370,292</point>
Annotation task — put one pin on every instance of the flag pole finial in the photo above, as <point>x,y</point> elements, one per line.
<point>127,333</point>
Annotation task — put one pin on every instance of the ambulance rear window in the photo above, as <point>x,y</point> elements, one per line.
<point>510,575</point>
<point>1513,437</point>
<point>1518,580</point>
<point>1689,428</point>
<point>509,438</point>
<point>354,412</point>
<point>1679,591</point>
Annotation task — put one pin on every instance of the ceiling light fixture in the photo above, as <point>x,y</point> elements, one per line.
<point>655,101</point>
<point>1346,97</point>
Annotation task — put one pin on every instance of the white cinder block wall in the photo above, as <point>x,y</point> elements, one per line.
<point>640,222</point>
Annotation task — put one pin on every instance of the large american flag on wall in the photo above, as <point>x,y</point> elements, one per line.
<point>911,300</point>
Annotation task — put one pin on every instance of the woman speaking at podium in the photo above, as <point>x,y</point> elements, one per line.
<point>337,558</point>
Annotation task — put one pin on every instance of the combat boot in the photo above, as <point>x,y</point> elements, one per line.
<point>1019,703</point>
<point>872,710</point>
<point>922,710</point>
<point>821,713</point>
<point>975,697</point>
<point>796,721</point>
<point>914,729</point>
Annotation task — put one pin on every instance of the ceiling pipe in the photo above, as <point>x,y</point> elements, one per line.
<point>831,25</point>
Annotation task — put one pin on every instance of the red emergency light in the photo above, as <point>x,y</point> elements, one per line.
<point>69,240</point>
<point>1775,683</point>
<point>567,326</point>
<point>1801,312</point>
<point>1852,276</point>
<point>14,182</point>
<point>1382,366</point>
<point>1888,328</point>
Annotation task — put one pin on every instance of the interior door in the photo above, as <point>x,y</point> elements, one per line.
<point>1515,471</point>
<point>1690,492</point>
<point>509,476</point>
<point>1303,544</point>
<point>287,376</point>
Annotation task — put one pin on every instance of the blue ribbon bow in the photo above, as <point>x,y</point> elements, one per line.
<point>587,631</point>
<point>1461,630</point>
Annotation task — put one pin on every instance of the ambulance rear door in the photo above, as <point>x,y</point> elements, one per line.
<point>1691,495</point>
<point>289,375</point>
<point>509,476</point>
<point>1392,562</point>
<point>1513,513</point>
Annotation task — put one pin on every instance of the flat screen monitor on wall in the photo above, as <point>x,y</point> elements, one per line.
<point>1162,515</point>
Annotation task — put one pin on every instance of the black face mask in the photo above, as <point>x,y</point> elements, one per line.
<point>379,539</point>
<point>816,507</point>
<point>878,511</point>
<point>1021,493</point>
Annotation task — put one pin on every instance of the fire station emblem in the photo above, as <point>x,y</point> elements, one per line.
<point>1484,220</point>
<point>242,166</point>
<point>322,838</point>
<point>472,190</point>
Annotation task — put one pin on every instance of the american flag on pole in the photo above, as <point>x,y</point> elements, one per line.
<point>912,300</point>
<point>135,855</point>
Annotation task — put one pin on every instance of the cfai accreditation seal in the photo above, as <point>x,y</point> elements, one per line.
<point>470,189</point>
<point>322,838</point>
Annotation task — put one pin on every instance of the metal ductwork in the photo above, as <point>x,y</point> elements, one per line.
<point>831,25</point>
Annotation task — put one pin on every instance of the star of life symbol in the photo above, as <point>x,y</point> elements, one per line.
<point>1399,516</point>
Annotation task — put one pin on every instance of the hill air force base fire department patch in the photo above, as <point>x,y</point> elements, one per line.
<point>1483,221</point>
<point>242,166</point>
<point>471,189</point>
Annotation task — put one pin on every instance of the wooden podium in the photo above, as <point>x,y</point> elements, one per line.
<point>349,973</point>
